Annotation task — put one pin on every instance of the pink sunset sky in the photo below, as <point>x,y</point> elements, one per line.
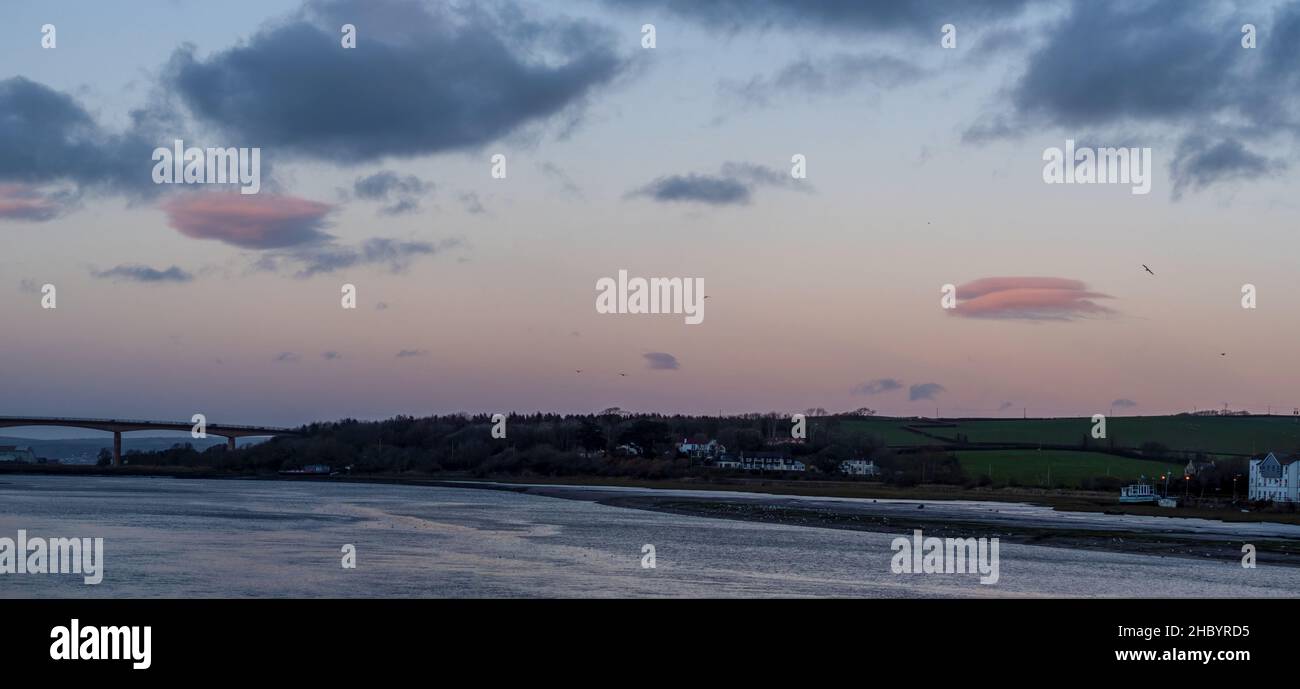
<point>924,169</point>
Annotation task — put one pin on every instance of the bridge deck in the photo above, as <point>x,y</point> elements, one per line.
<point>130,425</point>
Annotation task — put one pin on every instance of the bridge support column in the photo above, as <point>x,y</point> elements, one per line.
<point>117,448</point>
<point>230,443</point>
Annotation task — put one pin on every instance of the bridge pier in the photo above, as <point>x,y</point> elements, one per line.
<point>230,443</point>
<point>117,448</point>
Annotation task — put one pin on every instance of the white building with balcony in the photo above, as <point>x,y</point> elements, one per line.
<point>1275,478</point>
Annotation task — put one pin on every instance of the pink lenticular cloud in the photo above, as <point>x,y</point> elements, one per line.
<point>22,202</point>
<point>1028,298</point>
<point>250,221</point>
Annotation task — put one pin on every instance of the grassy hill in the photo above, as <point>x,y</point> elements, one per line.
<point>1228,435</point>
<point>1063,467</point>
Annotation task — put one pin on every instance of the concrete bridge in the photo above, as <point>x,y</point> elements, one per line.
<point>119,426</point>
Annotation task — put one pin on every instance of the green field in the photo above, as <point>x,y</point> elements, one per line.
<point>1237,435</point>
<point>1033,467</point>
<point>889,429</point>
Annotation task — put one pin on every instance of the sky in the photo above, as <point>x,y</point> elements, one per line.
<point>924,168</point>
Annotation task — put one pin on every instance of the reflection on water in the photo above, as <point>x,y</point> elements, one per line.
<point>213,538</point>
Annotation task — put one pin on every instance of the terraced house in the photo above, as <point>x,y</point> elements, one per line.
<point>1275,478</point>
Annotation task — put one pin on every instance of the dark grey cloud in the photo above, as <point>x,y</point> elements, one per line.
<point>877,386</point>
<point>287,358</point>
<point>852,16</point>
<point>1198,163</point>
<point>1165,71</point>
<point>393,255</point>
<point>924,391</point>
<point>424,78</point>
<point>48,137</point>
<point>661,361</point>
<point>1112,62</point>
<point>1123,403</point>
<point>716,191</point>
<point>399,193</point>
<point>410,353</point>
<point>331,356</point>
<point>141,273</point>
<point>735,184</point>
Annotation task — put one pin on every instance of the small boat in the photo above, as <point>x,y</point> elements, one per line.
<point>1138,492</point>
<point>1167,502</point>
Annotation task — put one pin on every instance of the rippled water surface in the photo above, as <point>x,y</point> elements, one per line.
<point>215,538</point>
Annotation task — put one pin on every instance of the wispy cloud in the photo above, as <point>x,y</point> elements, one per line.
<point>925,391</point>
<point>877,386</point>
<point>835,74</point>
<point>734,184</point>
<point>142,273</point>
<point>561,178</point>
<point>393,255</point>
<point>23,202</point>
<point>400,193</point>
<point>854,17</point>
<point>471,202</point>
<point>661,361</point>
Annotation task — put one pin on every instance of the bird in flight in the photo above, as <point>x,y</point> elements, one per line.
<point>578,371</point>
<point>1144,267</point>
<point>623,374</point>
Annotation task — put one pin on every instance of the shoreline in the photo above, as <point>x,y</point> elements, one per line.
<point>1268,552</point>
<point>790,510</point>
<point>1057,499</point>
<point>822,506</point>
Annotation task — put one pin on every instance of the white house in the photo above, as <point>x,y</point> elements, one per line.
<point>694,449</point>
<point>1275,478</point>
<point>859,467</point>
<point>771,463</point>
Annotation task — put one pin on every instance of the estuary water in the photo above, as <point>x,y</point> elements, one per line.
<point>234,538</point>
